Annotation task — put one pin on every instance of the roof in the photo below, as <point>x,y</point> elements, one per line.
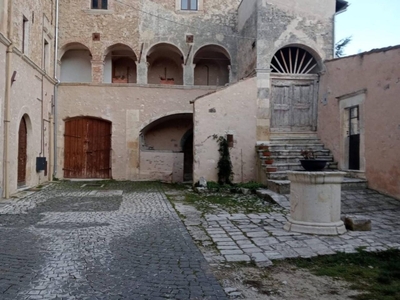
<point>341,5</point>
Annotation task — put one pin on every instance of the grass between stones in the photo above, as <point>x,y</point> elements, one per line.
<point>377,274</point>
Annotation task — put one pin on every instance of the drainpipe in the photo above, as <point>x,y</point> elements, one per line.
<point>10,29</point>
<point>55,106</point>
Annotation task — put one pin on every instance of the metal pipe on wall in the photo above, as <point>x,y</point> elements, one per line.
<point>10,30</point>
<point>55,92</point>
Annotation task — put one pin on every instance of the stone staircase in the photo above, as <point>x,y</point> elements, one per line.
<point>283,154</point>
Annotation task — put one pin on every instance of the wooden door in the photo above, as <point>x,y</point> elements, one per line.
<point>293,105</point>
<point>22,152</point>
<point>87,148</point>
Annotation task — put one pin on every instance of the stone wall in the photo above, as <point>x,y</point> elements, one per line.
<point>228,111</point>
<point>143,24</point>
<point>247,46</point>
<point>372,81</point>
<point>307,24</point>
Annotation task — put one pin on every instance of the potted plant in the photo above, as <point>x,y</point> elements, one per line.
<point>310,163</point>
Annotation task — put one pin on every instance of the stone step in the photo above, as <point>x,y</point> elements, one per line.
<point>310,140</point>
<point>299,147</point>
<point>292,159</point>
<point>283,186</point>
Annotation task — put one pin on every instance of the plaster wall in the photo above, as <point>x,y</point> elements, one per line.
<point>167,136</point>
<point>376,75</point>
<point>76,66</point>
<point>130,108</point>
<point>26,100</point>
<point>307,24</point>
<point>165,166</point>
<point>228,111</point>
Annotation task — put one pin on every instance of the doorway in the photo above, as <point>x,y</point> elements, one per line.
<point>354,138</point>
<point>22,153</point>
<point>87,148</point>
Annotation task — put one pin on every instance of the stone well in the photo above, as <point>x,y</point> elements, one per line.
<point>315,201</point>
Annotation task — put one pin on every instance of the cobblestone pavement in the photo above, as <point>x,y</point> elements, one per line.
<point>122,241</point>
<point>260,237</point>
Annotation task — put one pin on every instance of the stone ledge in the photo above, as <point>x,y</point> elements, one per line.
<point>357,222</point>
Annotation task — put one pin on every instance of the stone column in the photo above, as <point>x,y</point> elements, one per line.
<point>315,203</point>
<point>188,74</point>
<point>142,69</point>
<point>97,71</point>
<point>263,105</point>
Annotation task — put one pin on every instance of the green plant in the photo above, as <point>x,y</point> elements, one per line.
<point>224,165</point>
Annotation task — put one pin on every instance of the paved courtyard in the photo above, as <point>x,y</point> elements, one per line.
<point>123,242</point>
<point>260,237</point>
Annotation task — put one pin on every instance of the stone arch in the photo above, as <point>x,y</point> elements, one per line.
<point>162,148</point>
<point>296,59</point>
<point>165,64</point>
<point>212,65</point>
<point>24,141</point>
<point>119,64</point>
<point>76,63</point>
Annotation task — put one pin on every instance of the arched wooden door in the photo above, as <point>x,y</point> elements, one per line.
<point>22,152</point>
<point>87,148</point>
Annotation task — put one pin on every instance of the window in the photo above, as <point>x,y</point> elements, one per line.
<point>189,5</point>
<point>99,4</point>
<point>24,34</point>
<point>45,55</point>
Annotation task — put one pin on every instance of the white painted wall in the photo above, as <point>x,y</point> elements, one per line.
<point>107,73</point>
<point>76,66</point>
<point>231,110</point>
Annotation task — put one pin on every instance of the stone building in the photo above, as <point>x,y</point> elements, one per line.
<point>136,89</point>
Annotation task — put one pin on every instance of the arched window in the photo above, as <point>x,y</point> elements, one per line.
<point>294,60</point>
<point>120,65</point>
<point>76,63</point>
<point>212,66</point>
<point>165,65</point>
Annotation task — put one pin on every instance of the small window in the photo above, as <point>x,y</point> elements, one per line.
<point>24,34</point>
<point>45,55</point>
<point>99,4</point>
<point>189,5</point>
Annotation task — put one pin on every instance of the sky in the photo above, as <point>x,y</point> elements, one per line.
<point>371,23</point>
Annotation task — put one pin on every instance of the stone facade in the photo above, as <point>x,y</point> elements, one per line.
<point>27,33</point>
<point>140,66</point>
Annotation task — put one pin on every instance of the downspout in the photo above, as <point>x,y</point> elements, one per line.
<point>55,105</point>
<point>10,29</point>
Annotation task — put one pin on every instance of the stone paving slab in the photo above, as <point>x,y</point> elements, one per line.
<point>73,242</point>
<point>264,234</point>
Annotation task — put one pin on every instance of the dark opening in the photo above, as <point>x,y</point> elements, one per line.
<point>188,159</point>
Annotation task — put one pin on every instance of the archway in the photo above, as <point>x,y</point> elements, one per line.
<point>165,65</point>
<point>120,65</point>
<point>22,152</point>
<point>212,66</point>
<point>294,88</point>
<point>187,149</point>
<point>76,63</point>
<point>166,151</point>
<point>87,148</point>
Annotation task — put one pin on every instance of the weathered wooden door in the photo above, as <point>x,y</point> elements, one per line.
<point>87,148</point>
<point>293,105</point>
<point>22,152</point>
